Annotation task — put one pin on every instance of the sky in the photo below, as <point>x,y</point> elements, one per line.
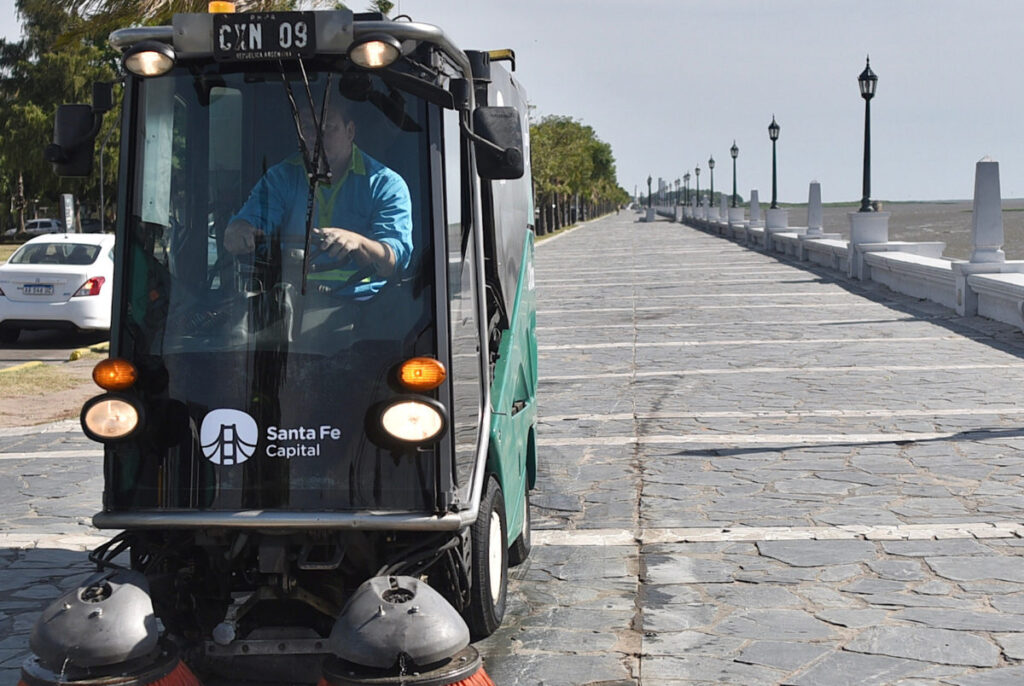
<point>670,83</point>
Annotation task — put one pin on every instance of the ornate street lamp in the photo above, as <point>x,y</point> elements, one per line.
<point>648,191</point>
<point>711,166</point>
<point>697,172</point>
<point>735,152</point>
<point>868,81</point>
<point>773,133</point>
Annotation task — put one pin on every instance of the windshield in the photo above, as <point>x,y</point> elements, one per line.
<point>236,307</point>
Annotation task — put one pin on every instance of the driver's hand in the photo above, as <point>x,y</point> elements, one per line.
<point>240,237</point>
<point>338,243</point>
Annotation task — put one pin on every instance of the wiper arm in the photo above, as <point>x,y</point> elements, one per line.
<point>318,169</point>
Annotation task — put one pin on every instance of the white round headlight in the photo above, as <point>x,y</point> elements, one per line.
<point>412,421</point>
<point>109,418</point>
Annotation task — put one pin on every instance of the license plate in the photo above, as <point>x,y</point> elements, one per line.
<point>38,289</point>
<point>262,36</point>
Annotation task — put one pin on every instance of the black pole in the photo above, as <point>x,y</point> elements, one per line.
<point>734,182</point>
<point>711,199</point>
<point>865,201</point>
<point>775,204</point>
<point>648,192</point>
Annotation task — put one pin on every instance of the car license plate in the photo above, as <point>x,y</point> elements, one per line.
<point>38,289</point>
<point>265,35</point>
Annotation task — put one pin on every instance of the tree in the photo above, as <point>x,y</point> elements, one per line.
<point>38,73</point>
<point>572,170</point>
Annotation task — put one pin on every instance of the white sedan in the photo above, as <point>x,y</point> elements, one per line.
<point>57,281</point>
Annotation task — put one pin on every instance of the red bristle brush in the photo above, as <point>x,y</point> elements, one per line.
<point>181,675</point>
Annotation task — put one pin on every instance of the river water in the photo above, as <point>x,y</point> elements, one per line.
<point>948,221</point>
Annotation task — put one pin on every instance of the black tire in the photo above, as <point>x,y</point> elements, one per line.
<point>489,548</point>
<point>9,335</point>
<point>521,547</point>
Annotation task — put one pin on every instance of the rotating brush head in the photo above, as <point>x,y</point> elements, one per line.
<point>165,669</point>
<point>465,668</point>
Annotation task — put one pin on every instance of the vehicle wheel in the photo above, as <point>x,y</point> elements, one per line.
<point>489,557</point>
<point>520,549</point>
<point>9,335</point>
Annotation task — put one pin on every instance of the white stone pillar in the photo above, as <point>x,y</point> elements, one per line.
<point>865,228</point>
<point>755,210</point>
<point>987,256</point>
<point>987,221</point>
<point>815,215</point>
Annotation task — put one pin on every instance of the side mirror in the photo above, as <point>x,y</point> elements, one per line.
<point>74,130</point>
<point>499,142</point>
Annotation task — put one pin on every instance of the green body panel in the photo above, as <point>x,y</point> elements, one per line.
<point>512,455</point>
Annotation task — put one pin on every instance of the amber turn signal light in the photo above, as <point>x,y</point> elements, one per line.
<point>114,374</point>
<point>421,374</point>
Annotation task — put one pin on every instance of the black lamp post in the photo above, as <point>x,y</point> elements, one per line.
<point>773,133</point>
<point>648,191</point>
<point>697,172</point>
<point>868,81</point>
<point>711,166</point>
<point>686,188</point>
<point>735,152</point>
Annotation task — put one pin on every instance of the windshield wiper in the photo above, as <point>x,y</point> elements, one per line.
<point>318,169</point>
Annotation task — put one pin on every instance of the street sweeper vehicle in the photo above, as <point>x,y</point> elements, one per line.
<point>319,409</point>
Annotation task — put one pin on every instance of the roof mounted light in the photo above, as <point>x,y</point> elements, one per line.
<point>220,7</point>
<point>375,51</point>
<point>149,58</point>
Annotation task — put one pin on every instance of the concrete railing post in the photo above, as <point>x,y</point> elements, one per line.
<point>755,210</point>
<point>776,220</point>
<point>987,256</point>
<point>815,215</point>
<point>987,219</point>
<point>865,228</point>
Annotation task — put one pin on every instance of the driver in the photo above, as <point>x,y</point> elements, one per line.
<point>364,213</point>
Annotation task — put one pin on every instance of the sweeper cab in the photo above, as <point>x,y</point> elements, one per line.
<point>319,432</point>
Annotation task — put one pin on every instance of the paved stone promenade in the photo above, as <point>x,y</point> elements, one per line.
<point>756,472</point>
<point>751,472</point>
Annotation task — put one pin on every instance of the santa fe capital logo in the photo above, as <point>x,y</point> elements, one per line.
<point>228,436</point>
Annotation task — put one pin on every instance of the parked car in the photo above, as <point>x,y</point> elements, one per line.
<point>38,227</point>
<point>60,281</point>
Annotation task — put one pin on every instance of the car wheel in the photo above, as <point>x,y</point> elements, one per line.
<point>489,559</point>
<point>520,549</point>
<point>9,335</point>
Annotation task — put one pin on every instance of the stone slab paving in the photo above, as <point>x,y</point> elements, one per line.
<point>754,471</point>
<point>751,472</point>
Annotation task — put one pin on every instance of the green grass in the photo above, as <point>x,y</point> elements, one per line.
<point>36,380</point>
<point>6,251</point>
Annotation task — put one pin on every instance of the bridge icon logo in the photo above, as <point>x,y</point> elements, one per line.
<point>228,436</point>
